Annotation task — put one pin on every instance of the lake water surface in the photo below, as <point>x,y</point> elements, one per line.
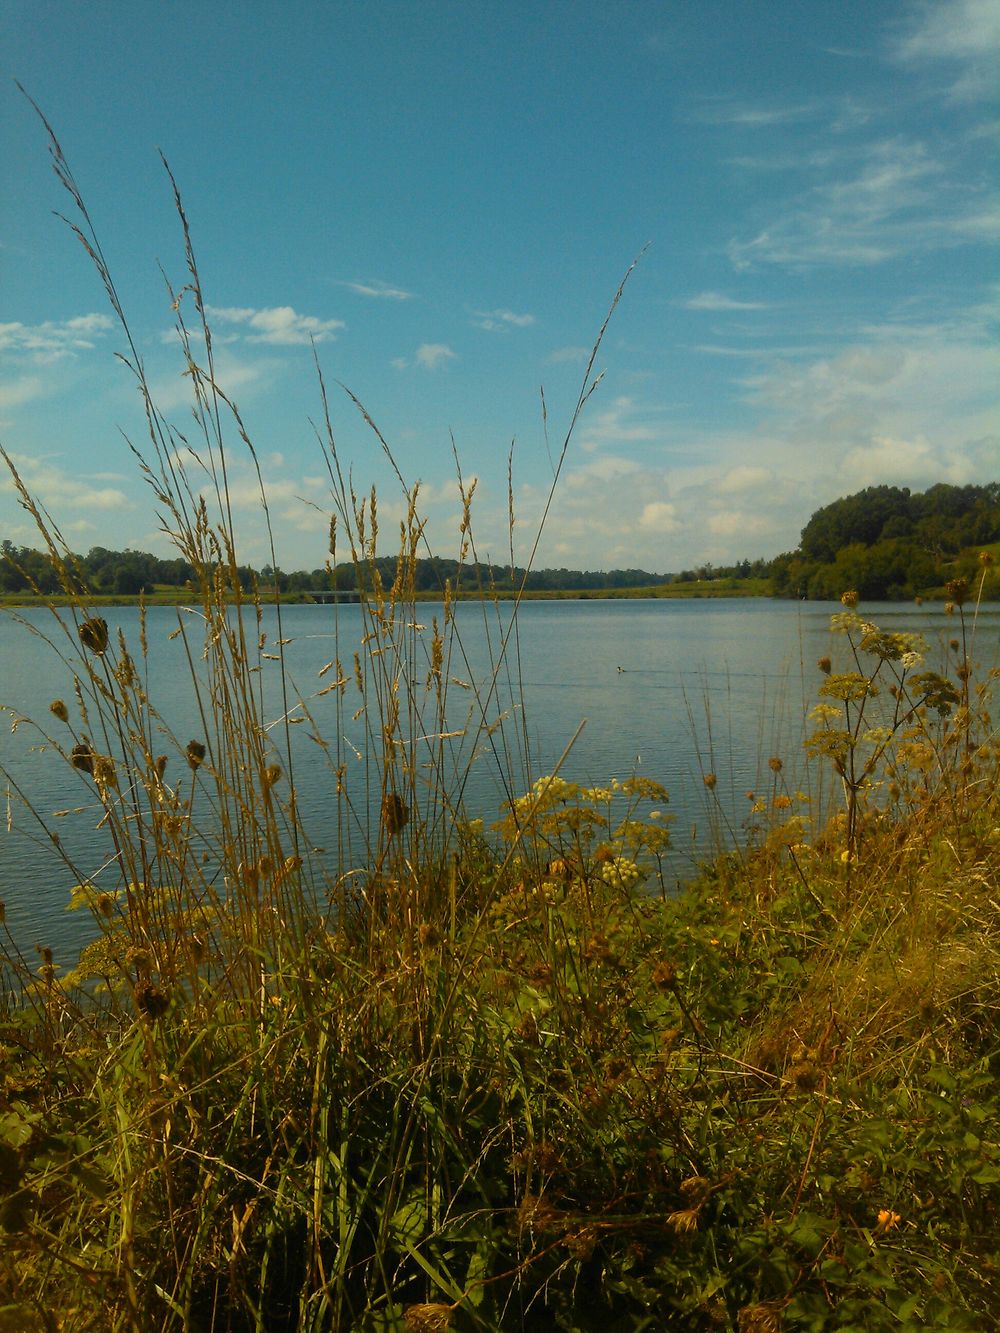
<point>666,689</point>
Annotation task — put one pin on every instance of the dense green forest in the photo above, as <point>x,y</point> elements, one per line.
<point>886,542</point>
<point>889,543</point>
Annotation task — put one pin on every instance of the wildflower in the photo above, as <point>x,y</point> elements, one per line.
<point>94,634</point>
<point>825,665</point>
<point>775,764</point>
<point>58,709</point>
<point>782,802</point>
<point>105,904</point>
<point>887,1219</point>
<point>619,872</point>
<point>710,781</point>
<point>195,754</point>
<point>949,608</point>
<point>849,599</point>
<point>986,559</point>
<point>911,660</point>
<point>270,775</point>
<point>957,590</point>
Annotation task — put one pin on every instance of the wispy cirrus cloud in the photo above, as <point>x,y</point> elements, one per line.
<point>562,355</point>
<point>717,301</point>
<point>893,201</point>
<point>378,290</point>
<point>280,326</point>
<point>964,33</point>
<point>53,339</point>
<point>499,321</point>
<point>756,117</point>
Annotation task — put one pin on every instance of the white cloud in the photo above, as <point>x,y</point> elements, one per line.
<point>658,516</point>
<point>964,32</point>
<point>172,391</point>
<point>278,325</point>
<point>15,393</point>
<point>564,354</point>
<point>716,301</point>
<point>500,320</point>
<point>737,523</point>
<point>617,424</point>
<point>745,478</point>
<point>56,489</point>
<point>379,290</point>
<point>755,118</point>
<point>431,356</point>
<point>54,338</point>
<point>894,202</point>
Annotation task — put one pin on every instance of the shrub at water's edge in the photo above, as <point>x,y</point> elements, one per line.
<point>490,1078</point>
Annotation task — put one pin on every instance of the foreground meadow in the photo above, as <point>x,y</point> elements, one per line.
<point>493,1078</point>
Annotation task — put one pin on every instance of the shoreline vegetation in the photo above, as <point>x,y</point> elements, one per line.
<point>490,1077</point>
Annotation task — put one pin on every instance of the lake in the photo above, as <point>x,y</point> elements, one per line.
<point>666,689</point>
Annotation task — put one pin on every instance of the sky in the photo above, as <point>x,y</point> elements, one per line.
<point>439,202</point>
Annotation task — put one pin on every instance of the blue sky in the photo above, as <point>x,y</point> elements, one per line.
<point>445,196</point>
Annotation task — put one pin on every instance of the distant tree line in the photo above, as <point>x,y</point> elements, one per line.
<point>102,571</point>
<point>888,543</point>
<point>885,542</point>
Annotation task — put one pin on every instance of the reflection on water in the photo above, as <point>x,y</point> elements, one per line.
<point>670,690</point>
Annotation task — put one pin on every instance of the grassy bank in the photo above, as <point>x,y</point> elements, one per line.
<point>490,1078</point>
<point>504,1082</point>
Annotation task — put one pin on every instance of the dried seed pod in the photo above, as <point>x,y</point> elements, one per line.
<point>58,709</point>
<point>151,1001</point>
<point>82,757</point>
<point>195,754</point>
<point>94,634</point>
<point>395,814</point>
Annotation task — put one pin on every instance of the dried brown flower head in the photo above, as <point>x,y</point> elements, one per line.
<point>82,757</point>
<point>395,814</point>
<point>849,599</point>
<point>94,634</point>
<point>151,1001</point>
<point>664,976</point>
<point>195,754</point>
<point>427,1318</point>
<point>58,709</point>
<point>957,590</point>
